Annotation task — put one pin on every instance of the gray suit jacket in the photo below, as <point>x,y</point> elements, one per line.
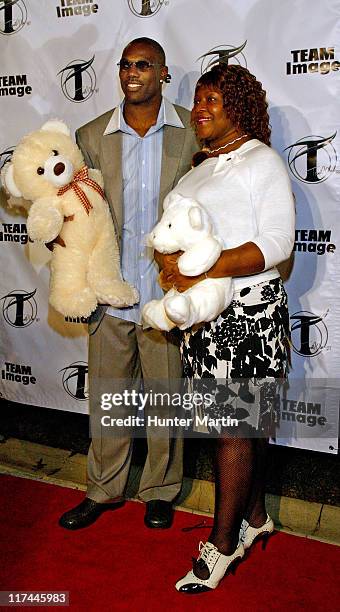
<point>105,153</point>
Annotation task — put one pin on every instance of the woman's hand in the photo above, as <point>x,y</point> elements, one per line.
<point>240,261</point>
<point>166,261</point>
<point>170,277</point>
<point>168,267</point>
<point>167,264</point>
<point>159,259</point>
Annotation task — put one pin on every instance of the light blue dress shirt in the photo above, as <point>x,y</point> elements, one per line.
<point>141,170</point>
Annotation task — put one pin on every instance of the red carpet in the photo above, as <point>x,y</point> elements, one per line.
<point>118,564</point>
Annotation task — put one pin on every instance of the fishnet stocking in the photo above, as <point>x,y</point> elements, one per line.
<point>239,489</point>
<point>233,478</point>
<point>255,512</point>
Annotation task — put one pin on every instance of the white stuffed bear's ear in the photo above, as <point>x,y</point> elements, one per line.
<point>8,181</point>
<point>56,125</point>
<point>195,217</point>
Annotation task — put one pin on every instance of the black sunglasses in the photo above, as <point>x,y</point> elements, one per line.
<point>141,65</point>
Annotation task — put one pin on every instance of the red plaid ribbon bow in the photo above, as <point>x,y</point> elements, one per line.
<point>82,176</point>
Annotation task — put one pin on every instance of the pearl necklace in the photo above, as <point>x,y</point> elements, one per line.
<point>207,150</point>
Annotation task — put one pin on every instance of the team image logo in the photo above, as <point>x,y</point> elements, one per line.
<point>6,156</point>
<point>14,85</point>
<point>83,320</point>
<point>146,8</point>
<point>19,373</point>
<point>314,240</point>
<point>74,380</point>
<point>312,159</point>
<point>13,233</point>
<point>309,333</point>
<point>19,308</point>
<point>72,8</point>
<point>317,60</point>
<point>13,16</point>
<point>222,54</point>
<point>78,80</point>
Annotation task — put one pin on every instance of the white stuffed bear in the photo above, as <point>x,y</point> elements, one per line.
<point>69,209</point>
<point>186,226</point>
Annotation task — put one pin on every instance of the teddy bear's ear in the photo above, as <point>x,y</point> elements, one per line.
<point>8,181</point>
<point>195,217</point>
<point>56,125</point>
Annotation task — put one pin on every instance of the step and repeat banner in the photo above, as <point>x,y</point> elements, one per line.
<point>59,59</point>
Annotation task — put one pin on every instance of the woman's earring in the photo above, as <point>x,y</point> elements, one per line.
<point>167,78</point>
<point>161,80</point>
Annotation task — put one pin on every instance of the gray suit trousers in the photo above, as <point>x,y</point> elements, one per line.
<point>119,350</point>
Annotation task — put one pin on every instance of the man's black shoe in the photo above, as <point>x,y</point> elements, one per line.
<point>85,513</point>
<point>158,514</point>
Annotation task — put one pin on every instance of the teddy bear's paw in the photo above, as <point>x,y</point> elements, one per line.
<point>44,225</point>
<point>177,308</point>
<point>153,315</point>
<point>117,293</point>
<point>77,304</point>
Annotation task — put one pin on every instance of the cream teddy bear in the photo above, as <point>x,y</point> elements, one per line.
<point>68,208</point>
<point>186,226</point>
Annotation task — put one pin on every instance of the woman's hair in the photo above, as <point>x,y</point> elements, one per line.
<point>243,97</point>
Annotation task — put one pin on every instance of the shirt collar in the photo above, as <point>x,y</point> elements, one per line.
<point>167,116</point>
<point>171,116</point>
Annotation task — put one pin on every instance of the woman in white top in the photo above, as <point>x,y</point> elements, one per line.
<point>244,186</point>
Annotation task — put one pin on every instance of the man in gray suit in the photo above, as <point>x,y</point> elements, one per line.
<point>142,148</point>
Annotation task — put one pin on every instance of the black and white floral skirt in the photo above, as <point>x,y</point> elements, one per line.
<point>239,362</point>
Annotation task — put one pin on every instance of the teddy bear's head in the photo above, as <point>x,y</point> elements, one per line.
<point>42,162</point>
<point>183,224</point>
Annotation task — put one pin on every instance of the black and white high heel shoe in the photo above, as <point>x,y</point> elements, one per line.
<point>214,564</point>
<point>249,534</point>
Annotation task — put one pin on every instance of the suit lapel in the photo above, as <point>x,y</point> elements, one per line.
<point>173,141</point>
<point>111,167</point>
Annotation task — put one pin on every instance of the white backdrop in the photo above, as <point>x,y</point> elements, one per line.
<point>58,59</point>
